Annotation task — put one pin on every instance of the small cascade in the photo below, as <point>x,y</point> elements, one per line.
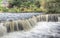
<point>41,24</point>
<point>12,26</point>
<point>52,18</point>
<point>20,24</point>
<point>41,30</point>
<point>6,24</point>
<point>25,24</point>
<point>38,18</point>
<point>32,21</point>
<point>47,18</point>
<point>16,27</point>
<point>3,30</point>
<point>58,19</point>
<point>43,17</point>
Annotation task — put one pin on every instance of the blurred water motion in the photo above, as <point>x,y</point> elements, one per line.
<point>30,25</point>
<point>41,30</point>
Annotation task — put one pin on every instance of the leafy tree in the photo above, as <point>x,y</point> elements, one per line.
<point>14,3</point>
<point>37,3</point>
<point>53,6</point>
<point>26,3</point>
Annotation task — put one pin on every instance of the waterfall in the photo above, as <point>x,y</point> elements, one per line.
<point>12,26</point>
<point>38,18</point>
<point>41,30</point>
<point>6,24</point>
<point>42,18</point>
<point>26,24</point>
<point>18,25</point>
<point>48,17</point>
<point>3,30</point>
<point>58,19</point>
<point>52,18</point>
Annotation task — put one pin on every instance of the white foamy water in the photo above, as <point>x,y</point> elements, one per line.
<point>41,30</point>
<point>15,16</point>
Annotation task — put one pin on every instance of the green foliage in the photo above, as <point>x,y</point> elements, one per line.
<point>37,3</point>
<point>15,2</point>
<point>27,3</point>
<point>23,6</point>
<point>53,6</point>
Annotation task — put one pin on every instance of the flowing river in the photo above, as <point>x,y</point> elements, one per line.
<point>41,30</point>
<point>29,25</point>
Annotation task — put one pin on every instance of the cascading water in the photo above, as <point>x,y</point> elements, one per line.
<point>31,26</point>
<point>53,18</point>
<point>42,18</point>
<point>41,30</point>
<point>2,30</point>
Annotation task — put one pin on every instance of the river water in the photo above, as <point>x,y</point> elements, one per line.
<point>41,30</point>
<point>16,16</point>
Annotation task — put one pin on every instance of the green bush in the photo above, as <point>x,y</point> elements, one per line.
<point>53,6</point>
<point>23,6</point>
